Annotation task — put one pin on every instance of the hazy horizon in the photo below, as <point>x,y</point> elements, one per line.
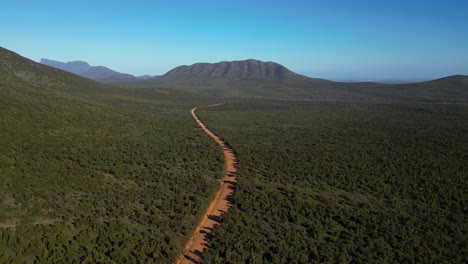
<point>359,40</point>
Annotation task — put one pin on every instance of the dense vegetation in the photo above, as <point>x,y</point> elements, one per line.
<point>91,173</point>
<point>343,182</point>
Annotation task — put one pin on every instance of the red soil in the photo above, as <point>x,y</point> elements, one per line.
<point>198,242</point>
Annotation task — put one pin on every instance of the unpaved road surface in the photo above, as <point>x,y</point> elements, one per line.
<point>197,243</point>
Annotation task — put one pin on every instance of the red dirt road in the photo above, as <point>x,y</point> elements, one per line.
<point>197,243</point>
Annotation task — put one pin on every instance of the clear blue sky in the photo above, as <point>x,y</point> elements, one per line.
<point>327,39</point>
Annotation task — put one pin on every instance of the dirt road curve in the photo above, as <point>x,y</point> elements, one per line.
<point>194,248</point>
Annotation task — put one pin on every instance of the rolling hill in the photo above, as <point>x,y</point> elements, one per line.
<point>86,166</point>
<point>448,88</point>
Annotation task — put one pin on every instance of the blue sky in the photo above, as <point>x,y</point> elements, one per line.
<point>326,39</point>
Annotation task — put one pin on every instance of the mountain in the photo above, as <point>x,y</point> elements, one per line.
<point>257,79</point>
<point>98,73</point>
<point>230,71</point>
<point>76,67</point>
<point>146,77</point>
<point>253,79</point>
<point>227,72</point>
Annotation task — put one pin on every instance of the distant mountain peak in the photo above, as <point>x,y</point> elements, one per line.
<point>43,61</point>
<point>97,73</point>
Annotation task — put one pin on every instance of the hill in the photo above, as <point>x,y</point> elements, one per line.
<point>86,166</point>
<point>452,88</point>
<point>98,73</point>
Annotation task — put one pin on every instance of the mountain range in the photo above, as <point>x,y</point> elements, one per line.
<point>98,73</point>
<point>256,79</point>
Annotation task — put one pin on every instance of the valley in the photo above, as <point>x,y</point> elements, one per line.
<point>327,171</point>
<point>233,132</point>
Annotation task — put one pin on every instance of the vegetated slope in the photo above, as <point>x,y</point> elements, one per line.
<point>98,73</point>
<point>92,173</point>
<point>453,89</point>
<point>344,182</point>
<point>257,79</point>
<point>234,70</point>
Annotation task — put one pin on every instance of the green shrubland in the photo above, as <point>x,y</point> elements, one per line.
<point>344,182</point>
<point>92,173</point>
